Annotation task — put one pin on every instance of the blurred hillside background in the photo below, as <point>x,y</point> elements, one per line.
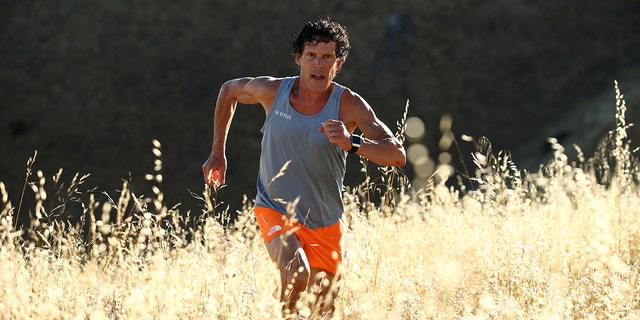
<point>89,84</point>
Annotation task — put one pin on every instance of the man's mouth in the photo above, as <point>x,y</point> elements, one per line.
<point>317,77</point>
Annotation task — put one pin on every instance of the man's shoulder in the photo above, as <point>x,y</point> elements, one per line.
<point>265,82</point>
<point>264,89</point>
<point>263,86</point>
<point>352,99</point>
<point>353,108</point>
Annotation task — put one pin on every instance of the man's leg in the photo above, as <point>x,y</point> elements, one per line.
<point>324,286</point>
<point>286,251</point>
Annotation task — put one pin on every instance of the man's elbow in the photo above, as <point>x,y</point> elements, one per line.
<point>399,159</point>
<point>401,162</point>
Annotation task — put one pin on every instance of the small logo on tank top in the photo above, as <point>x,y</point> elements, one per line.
<point>283,115</point>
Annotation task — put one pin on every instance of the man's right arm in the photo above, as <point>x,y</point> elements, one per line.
<point>246,90</point>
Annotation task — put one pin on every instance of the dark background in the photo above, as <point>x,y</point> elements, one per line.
<point>89,84</point>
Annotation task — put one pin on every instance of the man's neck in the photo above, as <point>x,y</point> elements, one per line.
<point>308,101</point>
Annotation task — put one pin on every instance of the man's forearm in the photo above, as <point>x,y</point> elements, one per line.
<point>223,116</point>
<point>384,152</point>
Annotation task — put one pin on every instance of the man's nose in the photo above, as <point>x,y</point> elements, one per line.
<point>317,63</point>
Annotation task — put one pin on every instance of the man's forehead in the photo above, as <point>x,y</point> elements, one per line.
<point>321,46</point>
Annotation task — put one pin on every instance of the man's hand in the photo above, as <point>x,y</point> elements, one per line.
<point>337,133</point>
<point>214,171</point>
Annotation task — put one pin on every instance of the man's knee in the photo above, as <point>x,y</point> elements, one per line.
<point>325,288</point>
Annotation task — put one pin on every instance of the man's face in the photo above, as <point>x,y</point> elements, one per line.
<point>319,64</point>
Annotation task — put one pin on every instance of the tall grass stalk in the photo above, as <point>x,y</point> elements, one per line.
<point>27,175</point>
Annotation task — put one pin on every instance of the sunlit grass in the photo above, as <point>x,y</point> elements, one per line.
<point>562,243</point>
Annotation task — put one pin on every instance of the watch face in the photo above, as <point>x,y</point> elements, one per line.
<point>355,140</point>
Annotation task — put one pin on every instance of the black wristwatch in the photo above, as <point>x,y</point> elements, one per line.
<point>356,141</point>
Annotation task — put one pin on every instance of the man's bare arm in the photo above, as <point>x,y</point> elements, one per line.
<point>378,144</point>
<point>245,90</point>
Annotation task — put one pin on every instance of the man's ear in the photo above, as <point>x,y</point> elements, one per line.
<point>340,62</point>
<point>297,59</point>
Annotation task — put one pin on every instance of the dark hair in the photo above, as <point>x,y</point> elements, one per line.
<point>322,30</point>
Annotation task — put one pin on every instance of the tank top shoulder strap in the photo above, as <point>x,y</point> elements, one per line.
<point>333,105</point>
<point>282,96</point>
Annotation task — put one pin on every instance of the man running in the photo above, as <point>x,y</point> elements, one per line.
<point>307,134</point>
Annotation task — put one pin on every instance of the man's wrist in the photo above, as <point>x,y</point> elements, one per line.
<point>356,142</point>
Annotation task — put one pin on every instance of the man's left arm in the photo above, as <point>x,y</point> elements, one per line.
<point>378,143</point>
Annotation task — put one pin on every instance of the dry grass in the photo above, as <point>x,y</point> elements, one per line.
<point>559,244</point>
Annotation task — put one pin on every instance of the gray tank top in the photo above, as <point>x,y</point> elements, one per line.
<point>311,185</point>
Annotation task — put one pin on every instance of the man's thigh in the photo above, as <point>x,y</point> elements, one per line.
<point>283,247</point>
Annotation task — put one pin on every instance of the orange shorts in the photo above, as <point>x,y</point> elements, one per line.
<point>322,246</point>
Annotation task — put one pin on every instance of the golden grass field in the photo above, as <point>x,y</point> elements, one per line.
<point>562,243</point>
